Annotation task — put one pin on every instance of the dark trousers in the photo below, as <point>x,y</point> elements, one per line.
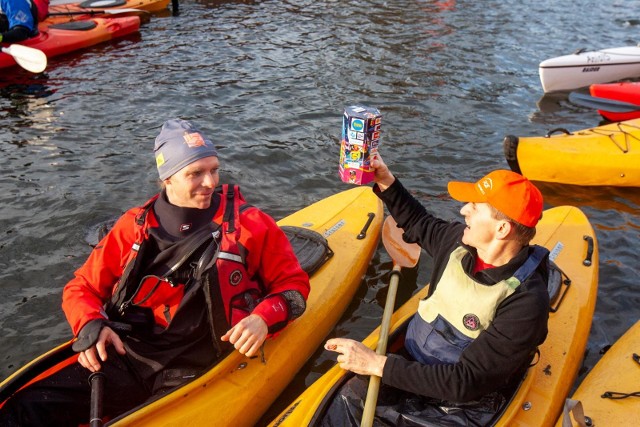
<point>63,399</point>
<point>399,408</point>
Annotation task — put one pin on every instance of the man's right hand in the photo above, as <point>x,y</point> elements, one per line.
<point>91,357</point>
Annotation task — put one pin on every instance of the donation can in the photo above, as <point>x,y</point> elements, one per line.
<point>360,139</point>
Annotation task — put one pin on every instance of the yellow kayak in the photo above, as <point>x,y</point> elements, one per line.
<point>238,390</point>
<point>604,155</point>
<point>567,233</point>
<point>610,393</point>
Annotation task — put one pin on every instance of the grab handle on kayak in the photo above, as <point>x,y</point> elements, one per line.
<point>552,131</point>
<point>363,232</point>
<point>557,296</point>
<point>587,260</point>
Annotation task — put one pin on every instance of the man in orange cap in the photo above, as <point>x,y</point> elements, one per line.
<point>486,313</point>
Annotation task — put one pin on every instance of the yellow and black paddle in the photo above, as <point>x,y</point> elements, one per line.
<point>30,59</point>
<point>404,255</point>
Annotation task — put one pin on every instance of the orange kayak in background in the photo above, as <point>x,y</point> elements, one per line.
<point>91,8</point>
<point>72,9</point>
<point>607,155</point>
<point>67,37</point>
<point>610,393</point>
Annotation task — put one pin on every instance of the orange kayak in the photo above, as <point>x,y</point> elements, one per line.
<point>96,8</point>
<point>610,393</point>
<point>67,37</point>
<point>568,234</point>
<point>238,390</point>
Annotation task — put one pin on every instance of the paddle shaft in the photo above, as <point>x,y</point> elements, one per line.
<point>603,104</point>
<point>96,380</point>
<point>374,382</point>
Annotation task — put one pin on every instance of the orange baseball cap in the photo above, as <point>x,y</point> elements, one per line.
<point>509,192</point>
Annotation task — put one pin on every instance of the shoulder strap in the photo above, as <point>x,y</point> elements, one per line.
<point>142,217</point>
<point>230,208</point>
<point>537,256</point>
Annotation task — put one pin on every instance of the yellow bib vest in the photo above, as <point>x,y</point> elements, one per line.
<point>459,309</point>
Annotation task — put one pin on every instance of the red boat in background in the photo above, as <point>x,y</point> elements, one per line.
<point>67,37</point>
<point>626,92</point>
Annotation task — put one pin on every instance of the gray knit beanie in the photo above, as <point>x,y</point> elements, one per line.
<point>179,144</point>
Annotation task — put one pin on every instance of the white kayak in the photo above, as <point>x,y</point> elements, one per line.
<point>584,68</point>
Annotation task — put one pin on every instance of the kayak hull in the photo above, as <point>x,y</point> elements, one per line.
<point>63,38</point>
<point>582,69</point>
<point>238,390</point>
<point>622,91</point>
<point>616,371</point>
<point>604,155</point>
<point>541,395</point>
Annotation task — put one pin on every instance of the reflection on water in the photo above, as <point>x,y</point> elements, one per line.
<point>623,199</point>
<point>28,102</point>
<point>269,81</point>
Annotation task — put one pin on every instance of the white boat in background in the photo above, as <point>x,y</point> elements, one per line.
<point>582,68</point>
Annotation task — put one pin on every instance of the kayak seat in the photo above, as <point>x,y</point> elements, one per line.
<point>310,247</point>
<point>102,4</point>
<point>75,25</point>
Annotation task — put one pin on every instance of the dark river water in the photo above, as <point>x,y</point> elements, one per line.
<point>268,81</point>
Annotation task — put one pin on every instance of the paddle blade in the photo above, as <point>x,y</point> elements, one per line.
<point>404,254</point>
<point>30,59</point>
<point>603,104</point>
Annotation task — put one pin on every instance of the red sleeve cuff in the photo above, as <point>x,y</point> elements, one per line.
<point>273,310</point>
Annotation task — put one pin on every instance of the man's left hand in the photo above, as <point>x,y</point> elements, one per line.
<point>356,357</point>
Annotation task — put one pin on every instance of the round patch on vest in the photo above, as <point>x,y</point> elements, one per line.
<point>235,277</point>
<point>471,322</point>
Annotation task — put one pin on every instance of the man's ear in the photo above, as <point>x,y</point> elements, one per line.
<point>504,229</point>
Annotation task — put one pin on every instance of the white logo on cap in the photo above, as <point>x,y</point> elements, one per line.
<point>486,183</point>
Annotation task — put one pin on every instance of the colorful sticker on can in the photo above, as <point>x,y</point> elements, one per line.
<point>357,125</point>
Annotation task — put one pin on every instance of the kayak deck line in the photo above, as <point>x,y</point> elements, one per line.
<point>626,134</point>
<point>549,67</point>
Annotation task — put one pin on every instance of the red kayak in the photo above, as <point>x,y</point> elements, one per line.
<point>628,92</point>
<point>67,37</point>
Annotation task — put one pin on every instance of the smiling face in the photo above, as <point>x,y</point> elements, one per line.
<point>193,185</point>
